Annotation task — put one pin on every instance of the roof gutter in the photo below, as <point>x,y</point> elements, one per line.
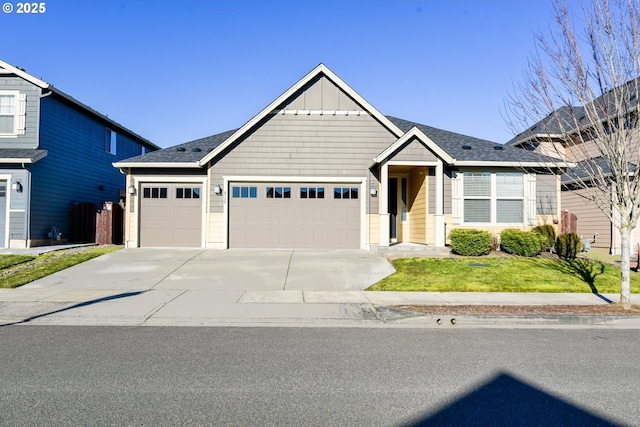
<point>156,165</point>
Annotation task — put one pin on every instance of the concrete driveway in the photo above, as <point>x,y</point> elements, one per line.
<point>197,269</point>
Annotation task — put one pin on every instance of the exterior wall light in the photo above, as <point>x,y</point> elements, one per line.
<point>373,191</point>
<point>17,187</point>
<point>217,190</point>
<point>132,190</point>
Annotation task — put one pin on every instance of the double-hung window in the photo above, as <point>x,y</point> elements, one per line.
<point>12,113</point>
<point>493,197</point>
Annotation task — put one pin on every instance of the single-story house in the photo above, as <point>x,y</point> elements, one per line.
<point>320,167</point>
<point>55,152</point>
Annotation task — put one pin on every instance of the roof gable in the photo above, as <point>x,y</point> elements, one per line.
<point>463,150</point>
<point>309,92</point>
<point>410,136</point>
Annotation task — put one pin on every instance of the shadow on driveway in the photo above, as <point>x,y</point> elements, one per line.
<point>82,304</point>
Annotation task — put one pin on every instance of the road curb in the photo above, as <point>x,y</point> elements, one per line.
<point>395,315</point>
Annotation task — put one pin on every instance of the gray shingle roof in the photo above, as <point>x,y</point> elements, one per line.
<point>22,154</point>
<point>582,170</point>
<point>458,146</point>
<point>189,152</point>
<point>620,100</point>
<point>562,120</point>
<point>467,148</point>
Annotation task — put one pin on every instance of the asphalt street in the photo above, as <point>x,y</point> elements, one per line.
<point>240,376</point>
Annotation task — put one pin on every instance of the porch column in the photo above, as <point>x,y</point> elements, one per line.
<point>383,206</point>
<point>440,226</point>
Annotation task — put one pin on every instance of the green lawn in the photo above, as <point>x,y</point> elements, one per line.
<point>17,270</point>
<point>504,274</point>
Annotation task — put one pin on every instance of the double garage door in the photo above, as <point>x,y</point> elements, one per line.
<point>294,215</point>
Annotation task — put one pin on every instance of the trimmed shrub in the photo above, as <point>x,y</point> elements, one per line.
<point>523,243</point>
<point>568,245</point>
<point>470,242</point>
<point>549,233</point>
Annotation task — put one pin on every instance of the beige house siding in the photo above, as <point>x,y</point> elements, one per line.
<point>305,145</point>
<point>417,205</point>
<point>215,230</point>
<point>373,229</point>
<point>414,151</point>
<point>590,219</point>
<point>547,194</point>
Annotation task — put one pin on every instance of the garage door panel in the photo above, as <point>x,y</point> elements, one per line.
<point>171,215</point>
<point>294,222</point>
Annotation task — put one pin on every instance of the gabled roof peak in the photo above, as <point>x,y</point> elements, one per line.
<point>320,69</point>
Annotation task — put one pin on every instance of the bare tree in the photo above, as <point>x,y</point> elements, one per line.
<point>581,91</point>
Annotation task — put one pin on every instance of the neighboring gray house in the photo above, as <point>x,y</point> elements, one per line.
<point>54,152</point>
<point>320,167</point>
<point>567,134</point>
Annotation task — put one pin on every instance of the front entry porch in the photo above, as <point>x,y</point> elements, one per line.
<point>411,204</point>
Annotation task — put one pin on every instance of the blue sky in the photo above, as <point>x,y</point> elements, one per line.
<point>174,71</point>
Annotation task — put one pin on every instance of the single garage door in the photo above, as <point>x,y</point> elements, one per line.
<point>171,215</point>
<point>294,215</point>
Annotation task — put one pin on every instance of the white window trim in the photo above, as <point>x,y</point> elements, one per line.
<point>528,199</point>
<point>19,116</point>
<point>113,141</point>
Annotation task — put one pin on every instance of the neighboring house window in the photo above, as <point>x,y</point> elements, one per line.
<point>142,149</point>
<point>345,193</point>
<point>12,113</point>
<point>243,192</point>
<point>312,193</point>
<point>493,197</point>
<point>110,142</point>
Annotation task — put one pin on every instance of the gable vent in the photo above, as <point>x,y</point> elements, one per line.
<point>181,149</point>
<point>498,147</point>
<point>196,150</point>
<point>466,147</point>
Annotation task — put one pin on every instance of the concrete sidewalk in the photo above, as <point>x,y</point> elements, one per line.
<point>268,288</point>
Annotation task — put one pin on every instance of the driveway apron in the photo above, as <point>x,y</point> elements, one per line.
<point>196,269</point>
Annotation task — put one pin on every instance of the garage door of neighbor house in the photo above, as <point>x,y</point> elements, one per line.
<point>294,215</point>
<point>171,215</point>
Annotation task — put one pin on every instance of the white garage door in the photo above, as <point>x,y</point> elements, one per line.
<point>171,215</point>
<point>294,215</point>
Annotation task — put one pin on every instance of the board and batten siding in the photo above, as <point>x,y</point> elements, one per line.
<point>30,138</point>
<point>77,167</point>
<point>305,145</point>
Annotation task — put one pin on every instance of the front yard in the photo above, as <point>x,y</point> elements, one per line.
<point>17,270</point>
<point>504,274</point>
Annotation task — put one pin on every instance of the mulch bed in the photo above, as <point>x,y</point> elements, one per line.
<point>521,310</point>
